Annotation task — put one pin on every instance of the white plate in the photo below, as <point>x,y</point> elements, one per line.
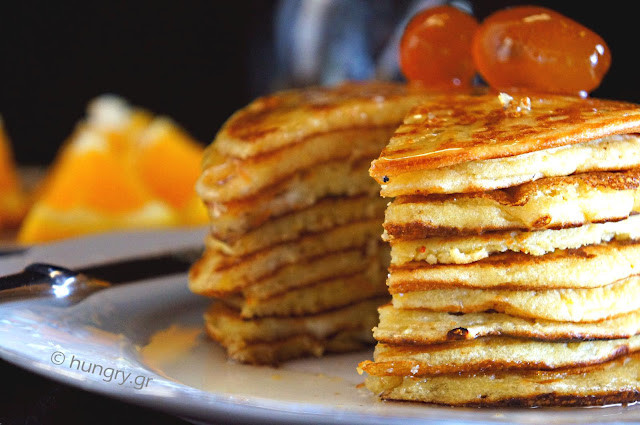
<point>152,331</point>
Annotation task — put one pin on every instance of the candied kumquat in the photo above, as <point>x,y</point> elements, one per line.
<point>539,49</point>
<point>435,49</point>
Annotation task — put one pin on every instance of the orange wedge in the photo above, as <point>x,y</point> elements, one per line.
<point>13,202</point>
<point>121,124</point>
<point>121,169</point>
<point>168,162</point>
<point>92,191</point>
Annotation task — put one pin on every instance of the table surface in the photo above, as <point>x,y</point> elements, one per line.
<point>31,399</point>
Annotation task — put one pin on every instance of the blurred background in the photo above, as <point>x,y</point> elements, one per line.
<point>198,61</point>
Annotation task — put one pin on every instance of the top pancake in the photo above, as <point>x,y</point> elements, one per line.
<point>284,118</point>
<point>448,130</point>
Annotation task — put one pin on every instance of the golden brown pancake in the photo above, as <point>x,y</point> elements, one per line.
<point>321,216</point>
<point>493,354</point>
<point>231,220</point>
<point>448,130</point>
<point>467,249</point>
<point>570,305</point>
<point>586,267</point>
<point>550,203</point>
<point>240,178</point>
<point>295,218</point>
<point>219,274</point>
<point>618,152</point>
<point>607,383</point>
<point>421,327</point>
<point>313,298</point>
<point>284,152</point>
<point>271,340</point>
<point>515,253</point>
<point>287,117</point>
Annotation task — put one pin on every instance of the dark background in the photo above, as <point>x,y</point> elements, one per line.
<point>192,60</point>
<point>195,61</point>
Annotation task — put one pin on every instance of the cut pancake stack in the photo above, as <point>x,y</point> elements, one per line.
<point>515,253</point>
<point>294,258</point>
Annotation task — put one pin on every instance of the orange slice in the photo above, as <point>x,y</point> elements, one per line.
<point>92,190</point>
<point>121,169</point>
<point>121,124</point>
<point>13,202</point>
<point>168,162</point>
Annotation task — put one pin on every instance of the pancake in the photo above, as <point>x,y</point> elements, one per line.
<point>368,265</point>
<point>448,130</point>
<point>271,340</point>
<point>619,152</point>
<point>550,203</point>
<point>586,267</point>
<point>310,299</point>
<point>607,383</point>
<point>295,218</point>
<point>515,250</point>
<point>570,305</point>
<point>467,249</point>
<point>420,327</point>
<point>285,118</point>
<point>493,354</point>
<point>324,215</point>
<point>282,153</point>
<point>218,274</point>
<point>236,178</point>
<point>231,220</point>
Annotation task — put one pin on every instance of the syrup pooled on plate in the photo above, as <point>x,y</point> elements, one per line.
<point>539,49</point>
<point>436,48</point>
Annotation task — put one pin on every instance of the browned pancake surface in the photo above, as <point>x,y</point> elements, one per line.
<point>272,122</point>
<point>606,383</point>
<point>447,130</point>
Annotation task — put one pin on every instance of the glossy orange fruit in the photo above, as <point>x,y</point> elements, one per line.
<point>435,49</point>
<point>539,49</point>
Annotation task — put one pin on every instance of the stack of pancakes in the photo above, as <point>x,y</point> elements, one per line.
<point>515,253</point>
<point>294,258</point>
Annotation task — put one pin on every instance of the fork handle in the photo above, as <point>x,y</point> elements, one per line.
<point>34,275</point>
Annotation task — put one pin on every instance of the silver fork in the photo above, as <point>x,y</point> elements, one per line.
<point>65,287</point>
